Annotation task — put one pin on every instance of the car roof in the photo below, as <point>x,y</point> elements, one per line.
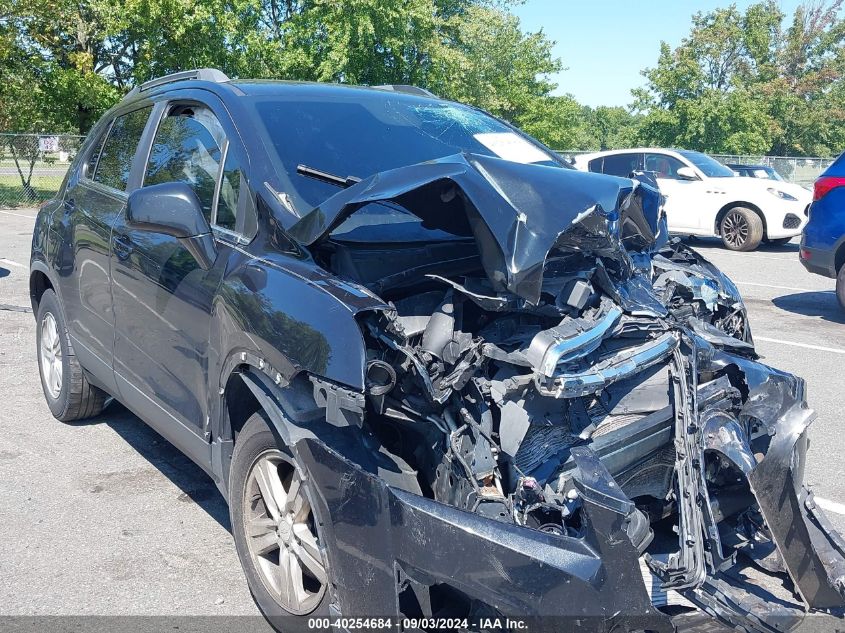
<point>216,82</point>
<point>260,87</point>
<point>631,150</point>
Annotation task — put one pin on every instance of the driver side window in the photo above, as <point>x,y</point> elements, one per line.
<point>188,147</point>
<point>663,166</point>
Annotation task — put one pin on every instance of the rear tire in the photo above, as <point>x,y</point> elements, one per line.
<point>840,287</point>
<point>741,229</point>
<point>278,541</point>
<point>68,393</point>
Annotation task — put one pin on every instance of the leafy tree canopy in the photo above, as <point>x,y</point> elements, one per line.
<point>84,54</point>
<point>751,82</point>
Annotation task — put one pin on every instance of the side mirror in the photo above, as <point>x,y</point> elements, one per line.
<point>686,173</point>
<point>172,208</point>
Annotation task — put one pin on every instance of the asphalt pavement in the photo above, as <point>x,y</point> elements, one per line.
<point>101,517</point>
<point>104,517</point>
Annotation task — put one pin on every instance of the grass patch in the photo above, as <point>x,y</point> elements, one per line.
<point>12,193</point>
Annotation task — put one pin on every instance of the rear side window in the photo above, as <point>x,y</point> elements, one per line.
<point>595,165</point>
<point>621,164</point>
<point>118,151</point>
<point>188,147</point>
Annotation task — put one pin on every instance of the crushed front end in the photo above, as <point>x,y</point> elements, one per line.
<point>556,407</point>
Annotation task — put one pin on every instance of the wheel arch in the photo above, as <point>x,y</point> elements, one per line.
<point>739,203</point>
<point>839,256</point>
<point>39,283</point>
<point>250,388</point>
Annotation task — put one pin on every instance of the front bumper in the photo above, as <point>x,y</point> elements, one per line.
<point>786,219</point>
<point>392,551</point>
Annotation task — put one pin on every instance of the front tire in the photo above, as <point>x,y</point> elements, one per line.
<point>741,229</point>
<point>68,393</point>
<point>276,533</point>
<point>840,287</point>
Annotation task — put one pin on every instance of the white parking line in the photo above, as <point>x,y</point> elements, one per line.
<point>793,258</point>
<point>751,283</point>
<point>9,262</point>
<point>830,506</point>
<point>20,215</point>
<point>820,348</point>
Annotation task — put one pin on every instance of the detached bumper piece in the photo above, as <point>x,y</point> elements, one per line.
<point>799,560</point>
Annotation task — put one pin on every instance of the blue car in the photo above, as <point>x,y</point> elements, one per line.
<point>823,241</point>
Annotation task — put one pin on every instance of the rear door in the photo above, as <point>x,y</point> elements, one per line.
<point>621,164</point>
<point>162,295</point>
<point>94,200</point>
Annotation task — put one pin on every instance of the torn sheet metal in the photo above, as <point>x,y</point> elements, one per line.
<point>516,212</point>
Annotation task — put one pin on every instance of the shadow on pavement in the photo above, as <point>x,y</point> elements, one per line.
<point>194,483</point>
<point>821,304</point>
<point>765,247</point>
<point>789,247</point>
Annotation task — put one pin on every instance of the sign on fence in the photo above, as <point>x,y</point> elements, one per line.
<point>48,143</point>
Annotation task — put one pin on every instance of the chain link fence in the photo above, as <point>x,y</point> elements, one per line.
<point>32,166</point>
<point>801,171</point>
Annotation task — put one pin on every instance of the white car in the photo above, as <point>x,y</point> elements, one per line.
<point>703,197</point>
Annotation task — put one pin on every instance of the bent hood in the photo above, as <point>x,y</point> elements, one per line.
<point>517,213</point>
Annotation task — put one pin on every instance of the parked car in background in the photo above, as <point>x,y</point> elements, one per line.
<point>704,197</point>
<point>823,241</point>
<point>764,172</point>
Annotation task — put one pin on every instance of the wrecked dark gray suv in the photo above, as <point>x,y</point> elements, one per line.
<point>435,372</point>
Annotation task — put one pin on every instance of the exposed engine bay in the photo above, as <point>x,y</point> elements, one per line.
<point>535,368</point>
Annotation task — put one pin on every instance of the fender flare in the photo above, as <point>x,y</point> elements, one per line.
<point>40,266</point>
<point>275,399</point>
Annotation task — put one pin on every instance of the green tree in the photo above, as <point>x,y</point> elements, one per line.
<point>86,53</point>
<point>746,83</point>
<point>607,127</point>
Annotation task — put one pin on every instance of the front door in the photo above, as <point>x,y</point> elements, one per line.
<point>162,295</point>
<point>685,199</point>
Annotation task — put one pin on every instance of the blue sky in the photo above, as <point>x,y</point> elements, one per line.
<point>605,43</point>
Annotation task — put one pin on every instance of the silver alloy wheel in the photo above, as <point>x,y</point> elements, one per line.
<point>735,229</point>
<point>281,536</point>
<point>51,355</point>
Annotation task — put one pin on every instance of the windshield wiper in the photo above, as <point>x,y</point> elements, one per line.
<point>325,176</point>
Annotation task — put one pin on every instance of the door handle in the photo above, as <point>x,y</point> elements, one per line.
<point>123,246</point>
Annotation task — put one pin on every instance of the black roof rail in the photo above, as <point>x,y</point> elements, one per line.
<point>202,74</point>
<point>406,89</point>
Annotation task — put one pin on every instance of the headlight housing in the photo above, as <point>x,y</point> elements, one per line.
<point>782,194</point>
